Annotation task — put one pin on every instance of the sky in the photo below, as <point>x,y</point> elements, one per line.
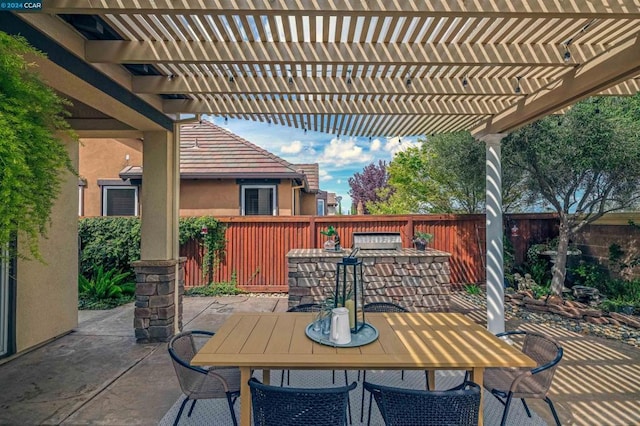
<point>338,158</point>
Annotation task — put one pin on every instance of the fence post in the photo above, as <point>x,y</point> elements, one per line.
<point>312,230</point>
<point>408,232</point>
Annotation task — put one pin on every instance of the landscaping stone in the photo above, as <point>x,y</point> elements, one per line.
<point>571,315</point>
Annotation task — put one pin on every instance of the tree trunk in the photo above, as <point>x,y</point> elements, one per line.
<point>560,266</point>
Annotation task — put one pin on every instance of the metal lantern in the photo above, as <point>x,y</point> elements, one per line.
<point>349,291</point>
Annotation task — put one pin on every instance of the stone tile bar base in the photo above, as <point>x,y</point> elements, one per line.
<point>154,313</point>
<point>417,280</point>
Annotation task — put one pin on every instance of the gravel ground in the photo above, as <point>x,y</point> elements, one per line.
<point>623,333</point>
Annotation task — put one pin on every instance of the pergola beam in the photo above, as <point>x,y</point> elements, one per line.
<point>342,107</point>
<point>324,85</point>
<point>215,52</point>
<point>421,8</point>
<point>611,68</point>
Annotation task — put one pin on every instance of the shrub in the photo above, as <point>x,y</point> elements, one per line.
<point>110,242</point>
<point>114,242</point>
<point>588,274</point>
<point>105,289</point>
<point>472,289</point>
<point>217,289</point>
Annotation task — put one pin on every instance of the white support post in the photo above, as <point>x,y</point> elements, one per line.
<point>494,235</point>
<point>177,324</point>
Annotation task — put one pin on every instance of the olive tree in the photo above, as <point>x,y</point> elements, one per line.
<point>583,164</point>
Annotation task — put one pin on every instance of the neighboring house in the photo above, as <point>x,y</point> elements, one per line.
<point>326,204</point>
<point>332,203</point>
<point>221,174</point>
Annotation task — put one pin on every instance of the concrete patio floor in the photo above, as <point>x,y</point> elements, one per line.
<point>97,374</point>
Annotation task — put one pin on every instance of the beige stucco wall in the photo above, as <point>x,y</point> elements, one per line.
<point>197,195</point>
<point>104,159</point>
<point>47,294</point>
<point>308,204</point>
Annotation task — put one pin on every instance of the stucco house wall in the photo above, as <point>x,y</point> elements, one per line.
<point>47,293</point>
<point>217,191</point>
<point>197,197</point>
<point>102,159</point>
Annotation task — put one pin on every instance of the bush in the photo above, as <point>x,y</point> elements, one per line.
<point>106,289</point>
<point>473,289</point>
<point>216,289</point>
<point>588,274</point>
<point>108,242</point>
<point>114,242</point>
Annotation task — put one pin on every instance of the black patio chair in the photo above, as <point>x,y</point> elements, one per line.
<point>314,307</point>
<point>508,383</point>
<point>282,406</point>
<point>458,406</point>
<point>198,382</point>
<point>382,307</point>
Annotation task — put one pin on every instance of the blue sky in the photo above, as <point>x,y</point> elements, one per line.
<point>338,159</point>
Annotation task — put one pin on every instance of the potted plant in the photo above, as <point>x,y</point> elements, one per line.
<point>421,240</point>
<point>333,243</point>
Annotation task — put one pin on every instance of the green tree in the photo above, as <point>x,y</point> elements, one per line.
<point>583,164</point>
<point>446,174</point>
<point>408,186</point>
<point>32,155</point>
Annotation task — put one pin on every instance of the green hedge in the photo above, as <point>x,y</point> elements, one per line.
<point>114,242</point>
<point>110,242</point>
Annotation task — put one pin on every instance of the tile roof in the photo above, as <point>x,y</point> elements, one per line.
<point>312,173</point>
<point>209,151</point>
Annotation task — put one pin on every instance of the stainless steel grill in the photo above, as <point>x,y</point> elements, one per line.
<point>377,240</point>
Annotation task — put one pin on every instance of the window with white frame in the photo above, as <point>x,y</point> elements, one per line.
<point>119,200</point>
<point>320,207</point>
<point>258,200</point>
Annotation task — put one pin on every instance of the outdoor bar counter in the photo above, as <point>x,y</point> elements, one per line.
<point>417,280</point>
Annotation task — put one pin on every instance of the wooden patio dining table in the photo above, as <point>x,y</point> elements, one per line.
<point>430,341</point>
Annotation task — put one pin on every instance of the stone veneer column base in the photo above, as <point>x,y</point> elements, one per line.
<point>154,316</point>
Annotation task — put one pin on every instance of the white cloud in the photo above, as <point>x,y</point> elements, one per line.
<point>343,152</point>
<point>375,145</point>
<point>324,175</point>
<point>397,144</point>
<point>293,148</point>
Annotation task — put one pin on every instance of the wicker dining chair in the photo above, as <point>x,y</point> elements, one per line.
<point>284,406</point>
<point>508,383</point>
<point>198,382</point>
<point>458,406</point>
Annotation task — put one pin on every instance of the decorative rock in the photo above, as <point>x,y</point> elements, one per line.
<point>586,294</point>
<point>574,316</point>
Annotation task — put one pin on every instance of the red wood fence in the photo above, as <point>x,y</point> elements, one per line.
<point>257,246</point>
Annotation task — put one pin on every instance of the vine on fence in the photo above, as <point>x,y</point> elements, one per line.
<point>114,242</point>
<point>210,233</point>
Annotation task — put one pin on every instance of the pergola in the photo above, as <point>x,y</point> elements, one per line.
<point>135,68</point>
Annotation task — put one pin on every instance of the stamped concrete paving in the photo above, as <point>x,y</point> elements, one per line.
<point>97,374</point>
